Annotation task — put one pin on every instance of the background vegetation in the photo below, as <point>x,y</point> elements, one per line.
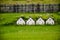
<point>11,18</point>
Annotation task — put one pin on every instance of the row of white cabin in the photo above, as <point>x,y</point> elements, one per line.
<point>30,21</point>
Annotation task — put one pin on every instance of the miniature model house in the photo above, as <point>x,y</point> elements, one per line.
<point>50,21</point>
<point>30,21</point>
<point>20,22</point>
<point>40,21</point>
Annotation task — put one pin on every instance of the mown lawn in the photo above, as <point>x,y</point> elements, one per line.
<point>30,1</point>
<point>10,31</point>
<point>30,32</point>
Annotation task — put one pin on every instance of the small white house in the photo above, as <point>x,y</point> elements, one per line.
<point>20,21</point>
<point>30,21</point>
<point>40,21</point>
<point>50,21</point>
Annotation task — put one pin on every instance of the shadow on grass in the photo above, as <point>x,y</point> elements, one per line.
<point>1,37</point>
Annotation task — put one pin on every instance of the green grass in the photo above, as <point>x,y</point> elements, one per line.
<point>30,32</point>
<point>10,31</point>
<point>30,2</point>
